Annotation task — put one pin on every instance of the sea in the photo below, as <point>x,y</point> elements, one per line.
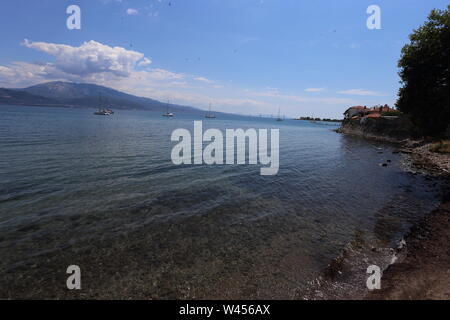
<point>102,193</point>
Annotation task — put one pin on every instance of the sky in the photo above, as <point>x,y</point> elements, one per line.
<point>306,58</point>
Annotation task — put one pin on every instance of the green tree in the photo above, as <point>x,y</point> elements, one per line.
<point>425,72</point>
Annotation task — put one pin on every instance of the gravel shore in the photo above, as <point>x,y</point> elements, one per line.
<point>420,266</point>
<point>424,272</point>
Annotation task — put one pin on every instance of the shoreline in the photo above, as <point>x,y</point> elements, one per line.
<point>424,271</point>
<point>419,267</point>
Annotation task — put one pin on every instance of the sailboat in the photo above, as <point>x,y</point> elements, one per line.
<point>168,114</point>
<point>103,112</point>
<point>210,115</point>
<point>279,116</point>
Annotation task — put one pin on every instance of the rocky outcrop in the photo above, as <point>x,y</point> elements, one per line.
<point>392,129</point>
<point>421,159</point>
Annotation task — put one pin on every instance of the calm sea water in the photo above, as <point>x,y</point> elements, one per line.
<point>102,193</point>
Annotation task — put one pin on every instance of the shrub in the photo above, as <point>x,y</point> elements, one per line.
<point>441,147</point>
<point>392,113</point>
<point>425,74</point>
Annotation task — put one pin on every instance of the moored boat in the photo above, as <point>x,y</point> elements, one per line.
<point>210,115</point>
<point>168,113</point>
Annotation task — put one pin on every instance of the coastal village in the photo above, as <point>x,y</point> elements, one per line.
<point>358,112</point>
<point>361,112</point>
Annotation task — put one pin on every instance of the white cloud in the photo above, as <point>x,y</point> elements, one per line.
<point>315,89</point>
<point>23,73</point>
<point>132,11</point>
<point>145,62</point>
<point>202,79</point>
<point>91,62</point>
<point>360,92</point>
<point>91,57</point>
<point>161,74</point>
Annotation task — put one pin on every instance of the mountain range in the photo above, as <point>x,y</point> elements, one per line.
<point>83,95</point>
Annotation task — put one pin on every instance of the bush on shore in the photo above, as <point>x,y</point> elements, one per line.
<point>441,147</point>
<point>425,74</point>
<point>395,113</point>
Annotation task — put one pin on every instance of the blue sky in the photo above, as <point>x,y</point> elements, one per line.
<point>311,58</point>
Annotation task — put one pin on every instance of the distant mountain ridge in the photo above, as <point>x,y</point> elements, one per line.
<point>14,97</point>
<point>84,95</point>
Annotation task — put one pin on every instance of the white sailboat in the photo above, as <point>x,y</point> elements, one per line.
<point>210,115</point>
<point>168,114</point>
<point>279,116</point>
<point>104,111</point>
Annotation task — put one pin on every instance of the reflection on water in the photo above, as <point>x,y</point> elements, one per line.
<point>102,193</point>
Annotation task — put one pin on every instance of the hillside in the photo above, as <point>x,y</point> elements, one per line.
<point>16,97</point>
<point>83,95</point>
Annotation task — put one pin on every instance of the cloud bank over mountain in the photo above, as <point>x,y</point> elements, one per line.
<point>91,62</point>
<point>132,72</point>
